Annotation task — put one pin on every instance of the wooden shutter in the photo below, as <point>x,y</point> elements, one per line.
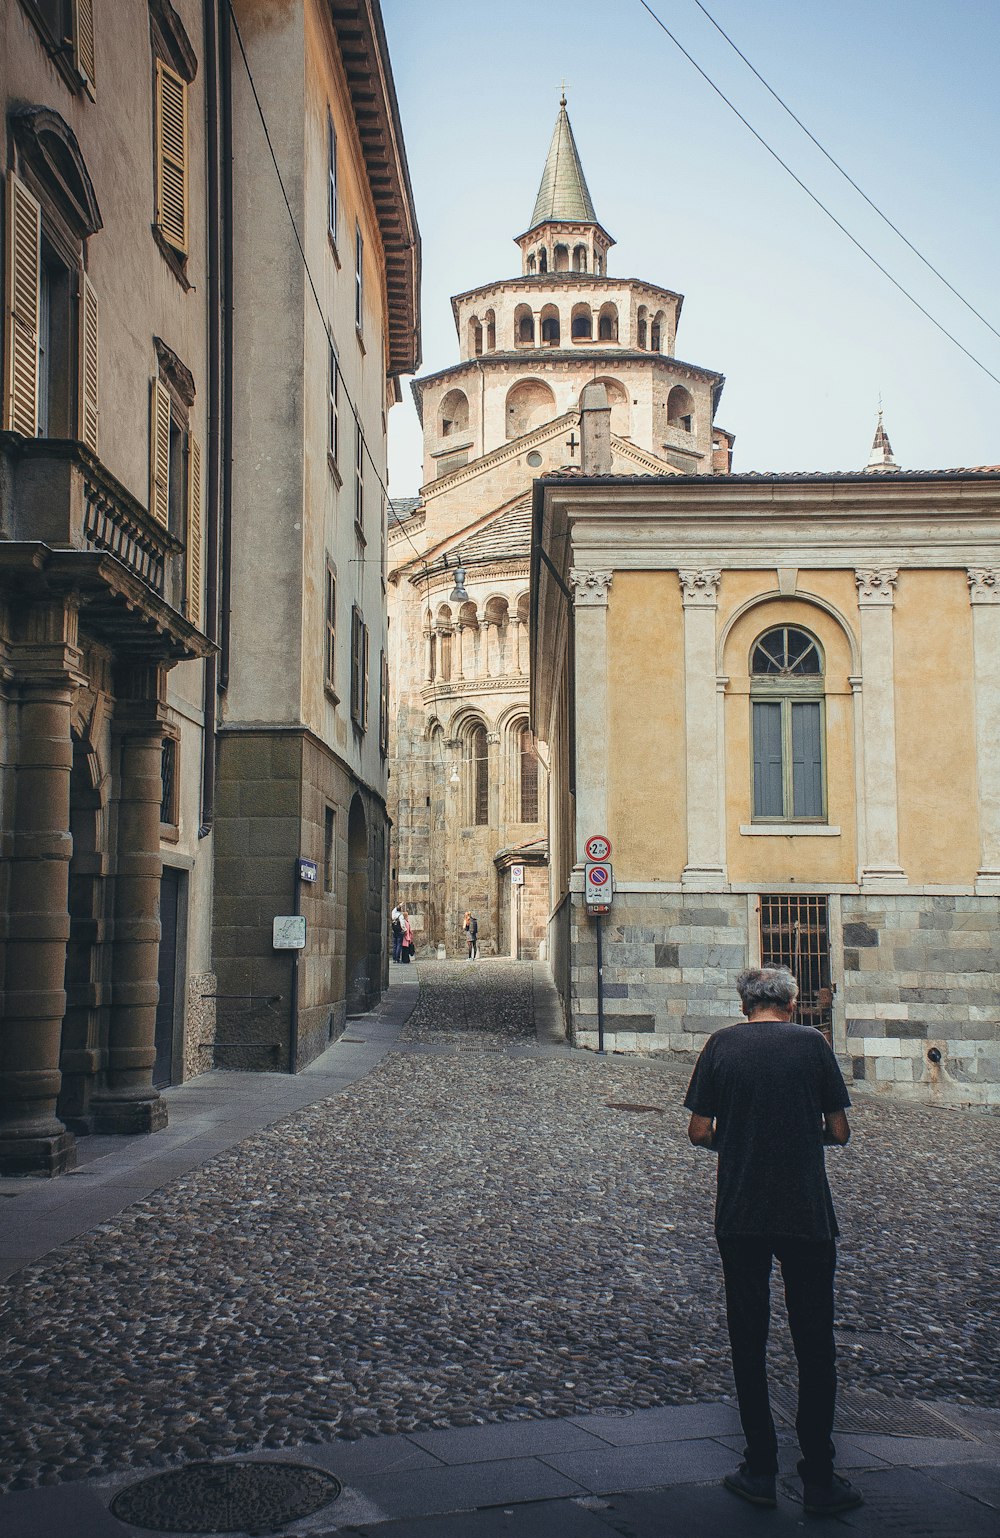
<point>171,157</point>
<point>194,532</point>
<point>83,44</point>
<point>356,650</point>
<point>807,759</point>
<point>87,392</point>
<point>159,454</point>
<point>364,676</point>
<point>23,267</point>
<point>768,793</point>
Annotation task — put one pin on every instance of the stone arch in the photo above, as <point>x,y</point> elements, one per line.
<point>530,404</point>
<point>358,979</point>
<point>658,331</point>
<point>582,323</point>
<point>620,403</point>
<point>725,660</point>
<point>680,409</point>
<point>579,258</point>
<point>524,326</point>
<point>490,323</point>
<point>607,323</point>
<point>475,336</point>
<point>543,259</point>
<point>641,326</point>
<point>560,258</point>
<point>550,326</point>
<point>453,413</point>
<point>531,263</point>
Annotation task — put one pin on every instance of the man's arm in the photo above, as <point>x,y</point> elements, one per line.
<point>835,1128</point>
<point>701,1131</point>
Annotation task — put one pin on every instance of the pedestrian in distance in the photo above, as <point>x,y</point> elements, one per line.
<point>406,945</point>
<point>471,927</point>
<point>396,924</point>
<point>766,1096</point>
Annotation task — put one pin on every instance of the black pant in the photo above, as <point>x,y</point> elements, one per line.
<point>807,1268</point>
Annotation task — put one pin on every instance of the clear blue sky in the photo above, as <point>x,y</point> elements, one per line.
<point>902,92</point>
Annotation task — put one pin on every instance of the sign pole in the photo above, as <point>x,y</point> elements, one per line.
<point>600,986</point>
<point>293,1030</point>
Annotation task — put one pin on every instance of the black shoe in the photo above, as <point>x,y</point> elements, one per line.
<point>827,1500</point>
<point>758,1489</point>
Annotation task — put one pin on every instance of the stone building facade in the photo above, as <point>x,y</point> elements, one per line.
<point>814,780</point>
<point>106,516</point>
<point>303,724</point>
<point>468,781</point>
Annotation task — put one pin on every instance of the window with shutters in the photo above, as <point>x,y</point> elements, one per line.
<point>176,481</point>
<point>330,648</point>
<point>333,203</point>
<point>359,669</point>
<point>66,27</point>
<point>383,706</point>
<point>170,784</point>
<point>359,280</point>
<point>170,153</point>
<point>359,477</point>
<point>788,727</point>
<point>333,429</point>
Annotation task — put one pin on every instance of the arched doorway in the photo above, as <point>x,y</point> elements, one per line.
<point>358,980</point>
<point>84,1028</point>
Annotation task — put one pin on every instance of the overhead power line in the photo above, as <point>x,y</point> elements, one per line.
<point>846,174</point>
<point>818,201</point>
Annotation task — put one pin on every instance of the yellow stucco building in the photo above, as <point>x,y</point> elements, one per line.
<point>777,695</point>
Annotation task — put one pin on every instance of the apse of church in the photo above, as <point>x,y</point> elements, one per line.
<point>468,790</point>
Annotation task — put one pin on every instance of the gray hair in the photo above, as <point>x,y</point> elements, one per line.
<point>766,988</point>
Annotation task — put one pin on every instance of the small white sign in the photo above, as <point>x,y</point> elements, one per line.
<point>599,885</point>
<point>289,932</point>
<point>517,875</point>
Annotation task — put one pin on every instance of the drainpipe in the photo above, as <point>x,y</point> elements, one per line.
<point>226,95</point>
<point>216,235</point>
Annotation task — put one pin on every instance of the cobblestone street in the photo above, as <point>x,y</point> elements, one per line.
<point>486,1227</point>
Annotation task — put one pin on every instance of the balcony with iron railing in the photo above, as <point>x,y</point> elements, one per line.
<point>57,492</point>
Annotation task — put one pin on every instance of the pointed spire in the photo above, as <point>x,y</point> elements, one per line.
<point>880,461</point>
<point>563,194</point>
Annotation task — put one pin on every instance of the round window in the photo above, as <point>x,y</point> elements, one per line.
<point>534,459</point>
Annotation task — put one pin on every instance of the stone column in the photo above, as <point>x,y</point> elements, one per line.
<point>590,666</point>
<point>46,664</point>
<point>984,595</point>
<point>128,1102</point>
<point>705,869</point>
<point>876,590</point>
<point>514,636</point>
<point>458,659</point>
<point>486,665</point>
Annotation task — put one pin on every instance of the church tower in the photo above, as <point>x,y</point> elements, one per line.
<point>467,791</point>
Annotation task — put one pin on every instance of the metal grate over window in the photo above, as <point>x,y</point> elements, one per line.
<point>795,933</point>
<point>168,781</point>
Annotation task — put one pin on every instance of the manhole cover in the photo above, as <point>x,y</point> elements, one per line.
<point>615,1411</point>
<point>226,1498</point>
<point>872,1414</point>
<point>623,1105</point>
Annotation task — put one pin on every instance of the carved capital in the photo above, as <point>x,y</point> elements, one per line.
<point>590,588</point>
<point>984,584</point>
<point>877,584</point>
<point>700,588</point>
<point>493,737</point>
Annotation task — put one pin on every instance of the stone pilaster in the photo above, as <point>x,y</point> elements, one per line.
<point>590,601</point>
<point>705,868</point>
<point>46,668</point>
<point>881,867</point>
<point>128,1102</point>
<point>984,596</point>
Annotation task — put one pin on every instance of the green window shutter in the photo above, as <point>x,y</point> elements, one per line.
<point>768,794</point>
<point>807,759</point>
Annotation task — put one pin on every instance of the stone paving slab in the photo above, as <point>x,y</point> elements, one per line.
<point>637,1468</point>
<point>664,1424</point>
<point>487,1444</point>
<point>424,1492</point>
<point>909,1503</point>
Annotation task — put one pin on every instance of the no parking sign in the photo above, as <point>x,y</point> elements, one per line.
<point>599,885</point>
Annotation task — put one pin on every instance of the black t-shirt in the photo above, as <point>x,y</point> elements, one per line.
<point>768,1084</point>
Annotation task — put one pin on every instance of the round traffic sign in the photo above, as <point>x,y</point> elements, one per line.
<point>599,875</point>
<point>598,847</point>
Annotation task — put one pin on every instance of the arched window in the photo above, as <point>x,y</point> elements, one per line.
<point>550,326</point>
<point>531,264</point>
<point>680,409</point>
<point>787,709</point>
<point>598,263</point>
<point>478,777</point>
<point>454,413</point>
<point>529,404</point>
<point>641,321</point>
<point>657,331</point>
<point>475,337</point>
<point>561,257</point>
<point>491,331</point>
<point>582,323</point>
<point>607,323</point>
<point>543,260</point>
<point>524,326</point>
<point>528,775</point>
<point>579,258</point>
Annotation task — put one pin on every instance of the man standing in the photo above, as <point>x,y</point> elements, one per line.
<point>396,924</point>
<point>767,1095</point>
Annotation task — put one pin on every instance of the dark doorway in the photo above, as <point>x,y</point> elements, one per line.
<point>167,1069</point>
<point>358,979</point>
<point>795,933</point>
<point>84,1026</point>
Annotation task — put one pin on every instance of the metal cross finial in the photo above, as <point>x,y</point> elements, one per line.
<point>562,94</point>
